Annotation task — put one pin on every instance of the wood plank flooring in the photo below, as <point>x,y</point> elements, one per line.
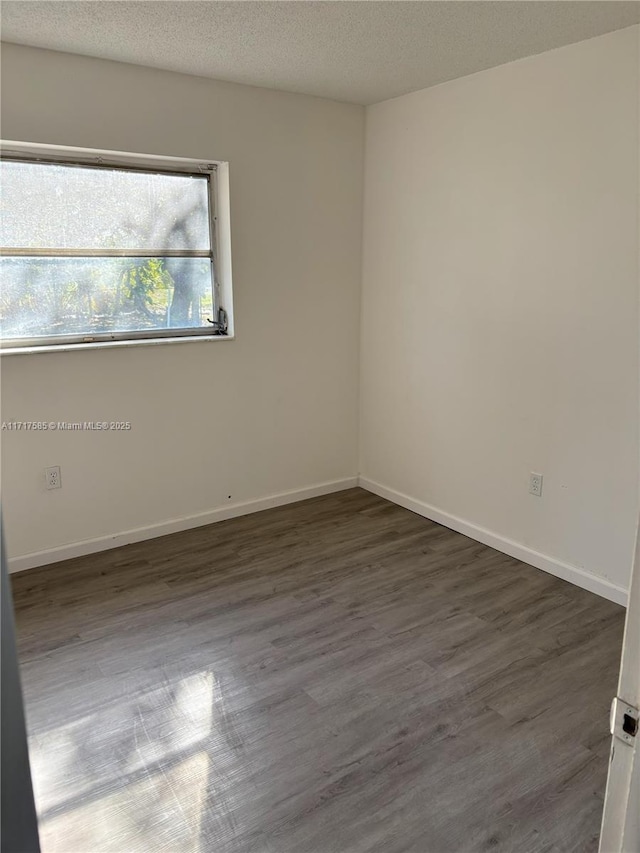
<point>334,676</point>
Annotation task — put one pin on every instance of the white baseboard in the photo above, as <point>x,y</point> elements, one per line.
<point>566,571</point>
<point>174,525</point>
<point>560,569</point>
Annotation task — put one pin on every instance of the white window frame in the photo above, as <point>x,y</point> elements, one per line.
<point>217,174</point>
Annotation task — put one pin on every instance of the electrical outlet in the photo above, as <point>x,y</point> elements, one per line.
<point>535,484</point>
<point>52,476</point>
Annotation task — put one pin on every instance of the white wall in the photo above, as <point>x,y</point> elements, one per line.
<point>500,304</point>
<point>276,409</point>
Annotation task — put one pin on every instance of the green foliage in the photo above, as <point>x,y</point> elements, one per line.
<point>148,281</point>
<point>84,295</point>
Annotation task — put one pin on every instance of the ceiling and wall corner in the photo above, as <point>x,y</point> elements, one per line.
<point>356,51</point>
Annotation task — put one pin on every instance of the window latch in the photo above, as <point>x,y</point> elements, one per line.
<point>220,325</point>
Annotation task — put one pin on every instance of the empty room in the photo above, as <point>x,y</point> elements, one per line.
<point>320,348</point>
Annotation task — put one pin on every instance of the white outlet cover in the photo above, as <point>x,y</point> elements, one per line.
<point>535,484</point>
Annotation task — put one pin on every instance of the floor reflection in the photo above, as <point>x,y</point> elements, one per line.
<point>155,787</point>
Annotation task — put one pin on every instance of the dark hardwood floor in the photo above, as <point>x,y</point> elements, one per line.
<point>334,676</point>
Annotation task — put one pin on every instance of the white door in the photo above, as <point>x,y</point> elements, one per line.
<point>621,816</point>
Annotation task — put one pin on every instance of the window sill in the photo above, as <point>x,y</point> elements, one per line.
<point>142,342</point>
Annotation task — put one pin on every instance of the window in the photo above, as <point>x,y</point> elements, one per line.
<point>93,250</point>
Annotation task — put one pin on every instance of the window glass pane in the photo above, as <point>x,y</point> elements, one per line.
<point>84,296</point>
<point>69,207</point>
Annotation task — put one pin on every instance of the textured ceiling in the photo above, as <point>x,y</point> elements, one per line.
<point>361,51</point>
